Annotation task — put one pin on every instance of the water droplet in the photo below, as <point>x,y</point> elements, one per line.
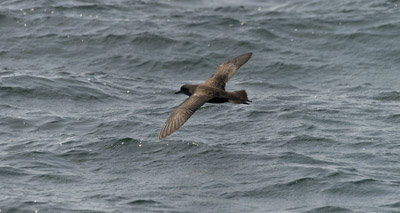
<point>33,9</point>
<point>291,40</point>
<point>231,25</point>
<point>82,40</point>
<point>52,11</point>
<point>36,211</point>
<point>25,25</point>
<point>89,79</point>
<point>105,84</point>
<point>128,91</point>
<point>259,9</point>
<point>24,13</point>
<point>208,45</point>
<point>80,15</point>
<point>122,143</point>
<point>45,10</point>
<point>140,145</point>
<point>21,10</point>
<point>296,30</point>
<point>242,23</point>
<point>312,32</point>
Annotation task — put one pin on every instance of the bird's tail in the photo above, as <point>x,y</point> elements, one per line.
<point>238,97</point>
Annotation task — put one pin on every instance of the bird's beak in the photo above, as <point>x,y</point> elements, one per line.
<point>178,92</point>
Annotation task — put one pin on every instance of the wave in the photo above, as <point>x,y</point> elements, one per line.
<point>363,187</point>
<point>387,96</point>
<point>143,202</point>
<point>395,205</point>
<point>44,88</point>
<point>329,208</point>
<point>393,118</point>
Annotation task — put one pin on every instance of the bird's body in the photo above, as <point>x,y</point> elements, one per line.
<point>215,95</point>
<point>211,91</point>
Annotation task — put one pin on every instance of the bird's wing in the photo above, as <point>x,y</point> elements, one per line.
<point>181,114</point>
<point>226,70</point>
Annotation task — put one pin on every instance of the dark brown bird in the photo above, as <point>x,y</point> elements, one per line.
<point>211,91</point>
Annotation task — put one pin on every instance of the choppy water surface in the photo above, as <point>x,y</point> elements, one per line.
<point>85,86</point>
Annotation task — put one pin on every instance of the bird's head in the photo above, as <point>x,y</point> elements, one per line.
<point>187,89</point>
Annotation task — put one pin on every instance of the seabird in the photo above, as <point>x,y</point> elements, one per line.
<point>211,91</point>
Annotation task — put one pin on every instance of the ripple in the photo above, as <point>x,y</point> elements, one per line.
<point>329,209</point>
<point>231,9</point>
<point>143,202</point>
<point>264,33</point>
<point>80,155</point>
<point>264,85</point>
<point>56,178</point>
<point>308,140</point>
<point>394,118</point>
<point>11,172</point>
<point>395,205</point>
<point>149,40</point>
<point>117,142</point>
<point>27,86</point>
<point>364,187</point>
<point>229,44</point>
<point>302,158</point>
<point>17,123</point>
<point>387,96</point>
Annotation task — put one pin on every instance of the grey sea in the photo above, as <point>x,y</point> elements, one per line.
<point>85,87</point>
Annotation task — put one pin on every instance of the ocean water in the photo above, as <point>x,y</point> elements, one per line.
<point>85,87</point>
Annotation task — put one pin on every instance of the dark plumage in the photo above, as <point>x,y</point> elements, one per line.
<point>211,91</point>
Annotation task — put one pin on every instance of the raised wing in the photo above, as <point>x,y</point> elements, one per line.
<point>181,114</point>
<point>226,70</point>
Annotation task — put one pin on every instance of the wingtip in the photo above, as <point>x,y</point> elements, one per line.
<point>161,136</point>
<point>249,54</point>
<point>241,59</point>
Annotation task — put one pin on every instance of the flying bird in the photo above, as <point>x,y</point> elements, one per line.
<point>210,91</point>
